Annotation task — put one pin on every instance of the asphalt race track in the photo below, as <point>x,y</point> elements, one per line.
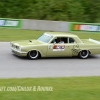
<point>12,66</point>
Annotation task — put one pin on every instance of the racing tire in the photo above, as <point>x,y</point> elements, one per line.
<point>84,54</point>
<point>33,54</point>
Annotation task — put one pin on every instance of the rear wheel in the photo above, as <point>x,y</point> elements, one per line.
<point>33,54</point>
<point>84,54</point>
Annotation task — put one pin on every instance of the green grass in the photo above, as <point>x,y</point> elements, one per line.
<point>73,88</point>
<point>86,35</point>
<point>17,34</point>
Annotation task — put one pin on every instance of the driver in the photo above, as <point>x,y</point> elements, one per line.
<point>61,41</point>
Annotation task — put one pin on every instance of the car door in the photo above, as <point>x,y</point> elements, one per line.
<point>57,48</point>
<point>72,47</point>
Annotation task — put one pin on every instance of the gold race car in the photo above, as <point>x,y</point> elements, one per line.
<point>56,44</point>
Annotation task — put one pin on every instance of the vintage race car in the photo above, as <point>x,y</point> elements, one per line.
<point>49,45</point>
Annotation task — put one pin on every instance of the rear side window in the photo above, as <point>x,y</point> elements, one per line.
<point>71,40</point>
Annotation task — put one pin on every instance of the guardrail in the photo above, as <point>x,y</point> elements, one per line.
<point>44,25</point>
<point>34,24</point>
<point>48,25</point>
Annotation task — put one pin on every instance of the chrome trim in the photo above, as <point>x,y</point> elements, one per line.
<point>18,51</point>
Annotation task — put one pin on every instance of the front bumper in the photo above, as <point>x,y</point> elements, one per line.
<point>19,53</point>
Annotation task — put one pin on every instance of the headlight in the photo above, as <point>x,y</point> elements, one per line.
<point>18,48</point>
<point>15,47</point>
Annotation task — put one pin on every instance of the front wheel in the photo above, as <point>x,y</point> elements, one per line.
<point>33,54</point>
<point>84,54</point>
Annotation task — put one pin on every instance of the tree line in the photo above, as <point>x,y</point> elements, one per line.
<point>57,10</point>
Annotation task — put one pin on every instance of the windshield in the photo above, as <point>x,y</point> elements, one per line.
<point>45,38</point>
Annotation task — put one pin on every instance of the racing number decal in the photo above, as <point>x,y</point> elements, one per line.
<point>58,48</point>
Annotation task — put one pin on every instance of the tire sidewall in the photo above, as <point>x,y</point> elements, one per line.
<point>35,57</point>
<point>85,56</point>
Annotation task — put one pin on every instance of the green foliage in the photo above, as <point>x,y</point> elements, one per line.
<point>59,10</point>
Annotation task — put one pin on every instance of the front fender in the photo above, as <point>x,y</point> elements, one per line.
<point>40,51</point>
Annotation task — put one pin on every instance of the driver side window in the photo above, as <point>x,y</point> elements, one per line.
<point>60,40</point>
<point>54,41</point>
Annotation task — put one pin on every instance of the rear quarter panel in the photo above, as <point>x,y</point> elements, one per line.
<point>93,48</point>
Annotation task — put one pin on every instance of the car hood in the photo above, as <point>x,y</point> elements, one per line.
<point>27,42</point>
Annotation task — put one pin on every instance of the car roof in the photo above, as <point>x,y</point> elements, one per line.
<point>61,34</point>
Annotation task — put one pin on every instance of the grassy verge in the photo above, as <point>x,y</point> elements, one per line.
<point>17,34</point>
<point>74,88</point>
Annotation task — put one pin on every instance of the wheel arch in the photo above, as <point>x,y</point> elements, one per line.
<point>86,50</point>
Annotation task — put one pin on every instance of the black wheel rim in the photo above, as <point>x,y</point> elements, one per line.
<point>33,53</point>
<point>84,53</point>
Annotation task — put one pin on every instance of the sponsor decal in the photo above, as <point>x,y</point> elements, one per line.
<point>10,23</point>
<point>58,48</point>
<point>84,27</point>
<point>2,22</point>
<point>76,27</point>
<point>89,27</point>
